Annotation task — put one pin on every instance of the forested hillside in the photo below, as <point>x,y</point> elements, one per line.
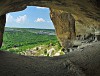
<point>17,40</point>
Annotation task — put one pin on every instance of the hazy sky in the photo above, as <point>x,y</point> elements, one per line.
<point>31,17</point>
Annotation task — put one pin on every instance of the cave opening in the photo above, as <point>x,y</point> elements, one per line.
<point>84,61</point>
<point>31,33</point>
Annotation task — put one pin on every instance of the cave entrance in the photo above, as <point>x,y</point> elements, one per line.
<point>31,32</point>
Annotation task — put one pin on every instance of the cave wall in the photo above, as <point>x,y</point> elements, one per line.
<point>64,24</point>
<point>83,8</point>
<point>2,25</point>
<point>86,12</point>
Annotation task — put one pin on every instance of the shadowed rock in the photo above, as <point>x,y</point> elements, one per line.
<point>2,25</point>
<point>78,63</point>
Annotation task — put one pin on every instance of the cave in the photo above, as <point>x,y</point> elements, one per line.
<point>65,29</point>
<point>31,33</point>
<point>77,63</point>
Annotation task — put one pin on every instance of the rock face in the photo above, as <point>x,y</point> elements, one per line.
<point>85,12</point>
<point>2,24</point>
<point>78,63</point>
<point>64,24</point>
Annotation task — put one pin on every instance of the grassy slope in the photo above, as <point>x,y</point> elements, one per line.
<point>20,39</point>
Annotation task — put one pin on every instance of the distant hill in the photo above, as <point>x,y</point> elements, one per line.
<point>32,30</point>
<point>20,39</point>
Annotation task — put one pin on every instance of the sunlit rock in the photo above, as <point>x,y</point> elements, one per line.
<point>64,24</point>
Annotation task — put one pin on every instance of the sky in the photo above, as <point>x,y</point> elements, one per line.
<point>31,17</point>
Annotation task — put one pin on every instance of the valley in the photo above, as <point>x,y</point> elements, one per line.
<point>20,40</point>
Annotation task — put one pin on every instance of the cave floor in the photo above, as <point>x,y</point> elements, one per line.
<point>19,65</point>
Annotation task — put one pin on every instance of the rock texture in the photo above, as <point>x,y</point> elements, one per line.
<point>78,63</point>
<point>64,24</point>
<point>83,9</point>
<point>85,12</point>
<point>2,25</point>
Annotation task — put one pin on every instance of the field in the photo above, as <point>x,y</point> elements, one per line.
<point>17,40</point>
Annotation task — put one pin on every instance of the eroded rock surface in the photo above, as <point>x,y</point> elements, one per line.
<point>83,9</point>
<point>77,63</point>
<point>2,25</point>
<point>64,24</point>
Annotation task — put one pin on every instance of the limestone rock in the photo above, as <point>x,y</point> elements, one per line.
<point>65,26</point>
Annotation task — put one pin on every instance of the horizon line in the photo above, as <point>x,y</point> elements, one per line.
<point>30,27</point>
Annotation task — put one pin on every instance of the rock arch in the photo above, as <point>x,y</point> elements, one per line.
<point>64,25</point>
